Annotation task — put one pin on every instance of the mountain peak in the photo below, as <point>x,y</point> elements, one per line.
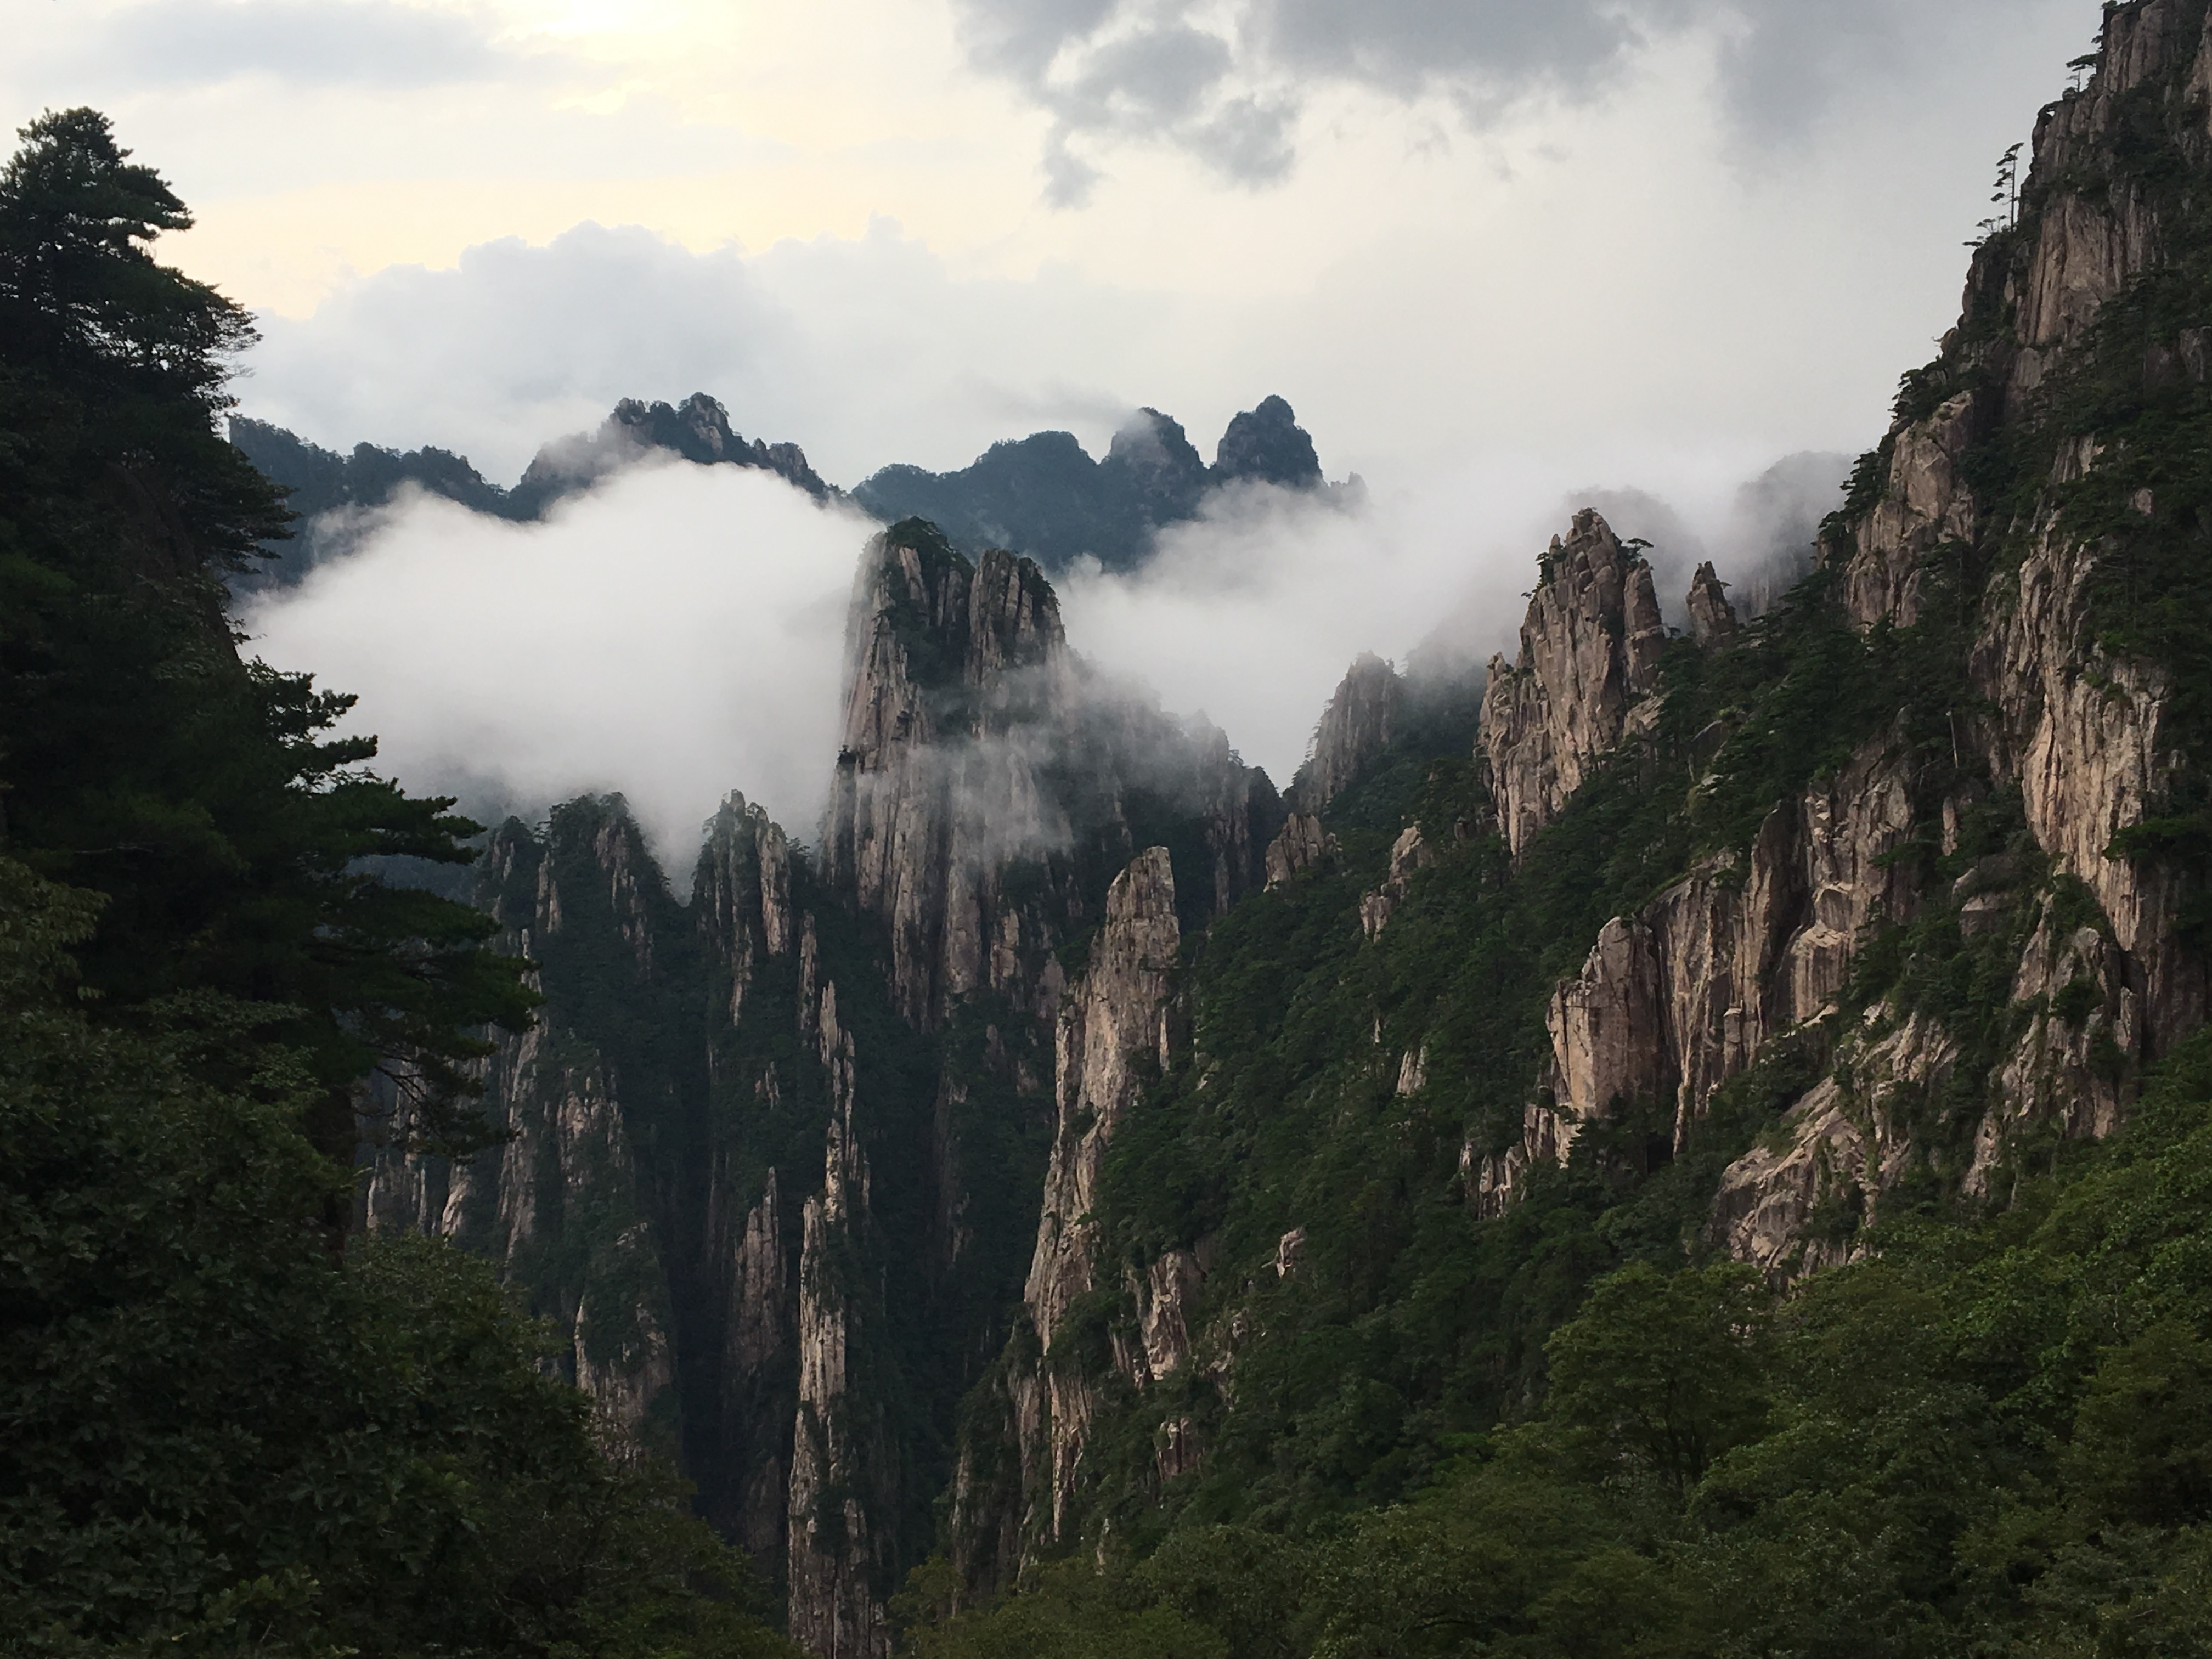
<point>1268,444</point>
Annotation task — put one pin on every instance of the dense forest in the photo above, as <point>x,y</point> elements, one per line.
<point>230,1427</point>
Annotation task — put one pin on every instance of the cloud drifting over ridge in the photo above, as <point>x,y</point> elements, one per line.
<point>673,635</point>
<point>678,632</point>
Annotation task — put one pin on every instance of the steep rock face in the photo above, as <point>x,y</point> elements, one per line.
<point>687,1192</point>
<point>838,1459</point>
<point>1799,1208</point>
<point>1303,844</point>
<point>2080,730</point>
<point>1674,1001</point>
<point>988,778</point>
<point>1356,727</point>
<point>955,674</point>
<point>1922,506</point>
<point>1112,1031</point>
<point>1020,1469</point>
<point>1590,649</point>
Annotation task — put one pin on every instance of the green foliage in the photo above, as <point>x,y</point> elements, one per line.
<point>1661,1374</point>
<point>222,1439</point>
<point>220,1436</point>
<point>205,797</point>
<point>1991,1439</point>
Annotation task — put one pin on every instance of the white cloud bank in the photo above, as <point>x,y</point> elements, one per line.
<point>678,632</point>
<point>673,635</point>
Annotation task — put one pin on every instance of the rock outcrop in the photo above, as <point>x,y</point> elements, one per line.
<point>1589,652</point>
<point>1022,1469</point>
<point>987,779</point>
<point>1711,616</point>
<point>687,1192</point>
<point>1112,1036</point>
<point>1303,844</point>
<point>1687,993</point>
<point>1674,1001</point>
<point>1357,727</point>
<point>839,1459</point>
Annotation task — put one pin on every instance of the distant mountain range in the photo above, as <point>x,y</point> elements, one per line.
<point>333,493</point>
<point>1041,496</point>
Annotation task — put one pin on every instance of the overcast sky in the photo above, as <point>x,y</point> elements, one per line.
<point>1539,244</point>
<point>896,229</point>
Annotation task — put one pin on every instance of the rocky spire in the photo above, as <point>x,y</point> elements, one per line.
<point>1589,651</point>
<point>1112,1028</point>
<point>838,1453</point>
<point>1711,616</point>
<point>958,689</point>
<point>987,778</point>
<point>1355,728</point>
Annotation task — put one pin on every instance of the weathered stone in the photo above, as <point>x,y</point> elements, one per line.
<point>1590,649</point>
<point>1711,616</point>
<point>1302,845</point>
<point>1356,726</point>
<point>1111,1034</point>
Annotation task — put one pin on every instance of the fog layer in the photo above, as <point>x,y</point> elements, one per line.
<point>673,635</point>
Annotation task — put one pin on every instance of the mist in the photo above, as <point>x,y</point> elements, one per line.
<point>673,635</point>
<point>678,632</point>
<point>1251,614</point>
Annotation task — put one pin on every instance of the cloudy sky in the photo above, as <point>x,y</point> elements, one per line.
<point>1492,250</point>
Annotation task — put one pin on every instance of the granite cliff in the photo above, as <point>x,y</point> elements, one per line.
<point>773,1156</point>
<point>1093,1147</point>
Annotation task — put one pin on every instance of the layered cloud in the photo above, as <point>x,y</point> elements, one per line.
<point>672,635</point>
<point>1227,82</point>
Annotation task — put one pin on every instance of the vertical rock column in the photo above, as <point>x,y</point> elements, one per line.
<point>1112,1030</point>
<point>1590,649</point>
<point>833,1612</point>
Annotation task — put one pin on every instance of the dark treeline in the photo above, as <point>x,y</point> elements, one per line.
<point>225,1427</point>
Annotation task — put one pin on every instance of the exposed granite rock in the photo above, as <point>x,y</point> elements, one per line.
<point>1112,1031</point>
<point>1302,845</point>
<point>1924,503</point>
<point>2080,732</point>
<point>1590,649</point>
<point>1408,853</point>
<point>1675,1001</point>
<point>1801,1207</point>
<point>1711,616</point>
<point>2064,1071</point>
<point>837,1454</point>
<point>985,772</point>
<point>1356,727</point>
<point>955,675</point>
